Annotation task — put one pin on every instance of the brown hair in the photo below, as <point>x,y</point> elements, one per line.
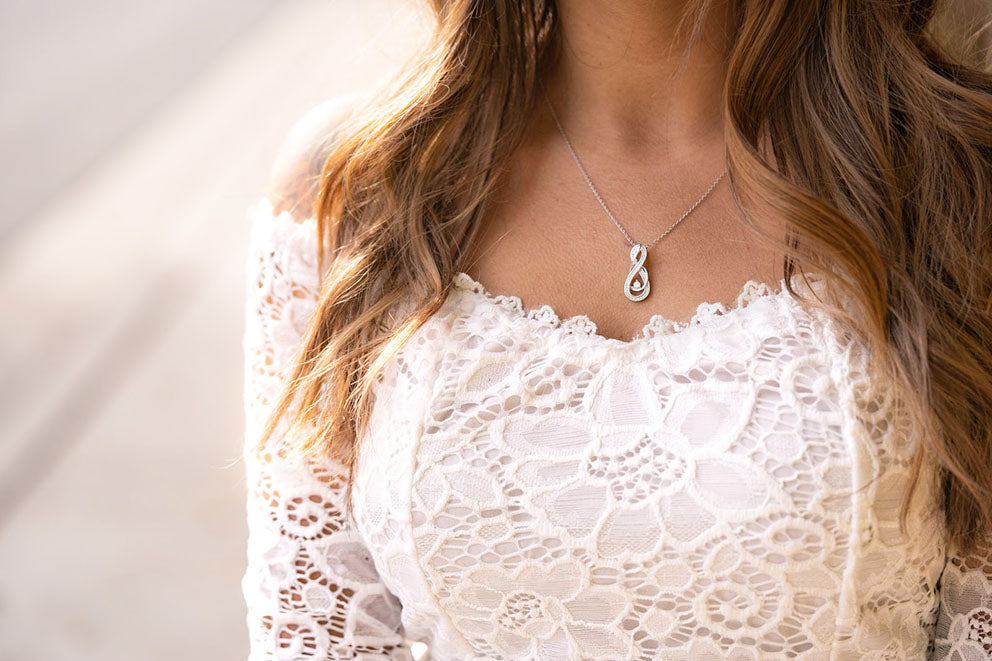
<point>879,120</point>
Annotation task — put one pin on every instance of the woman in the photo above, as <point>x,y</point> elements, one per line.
<point>520,384</point>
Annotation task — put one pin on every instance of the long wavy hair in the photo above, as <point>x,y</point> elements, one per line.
<point>878,114</point>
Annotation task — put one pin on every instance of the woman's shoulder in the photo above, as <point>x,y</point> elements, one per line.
<point>294,178</point>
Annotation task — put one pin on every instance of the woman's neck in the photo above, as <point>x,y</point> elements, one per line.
<point>619,78</point>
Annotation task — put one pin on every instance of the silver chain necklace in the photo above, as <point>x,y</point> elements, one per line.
<point>636,286</point>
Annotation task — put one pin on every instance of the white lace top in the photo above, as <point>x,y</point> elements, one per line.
<point>727,488</point>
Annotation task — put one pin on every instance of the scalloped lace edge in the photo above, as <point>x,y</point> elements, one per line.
<point>657,325</point>
<point>580,324</point>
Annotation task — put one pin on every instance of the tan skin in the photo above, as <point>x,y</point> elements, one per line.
<point>651,148</point>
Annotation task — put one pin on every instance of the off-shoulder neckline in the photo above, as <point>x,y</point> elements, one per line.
<point>658,325</point>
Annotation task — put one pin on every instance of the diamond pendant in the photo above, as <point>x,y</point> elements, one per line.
<point>636,286</point>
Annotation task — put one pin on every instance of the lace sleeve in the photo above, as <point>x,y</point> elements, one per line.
<point>963,631</point>
<point>311,589</point>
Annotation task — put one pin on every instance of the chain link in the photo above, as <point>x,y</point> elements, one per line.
<point>595,192</point>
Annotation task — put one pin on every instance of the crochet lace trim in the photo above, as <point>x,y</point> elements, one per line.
<point>657,325</point>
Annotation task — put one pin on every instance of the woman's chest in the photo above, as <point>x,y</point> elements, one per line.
<point>575,499</point>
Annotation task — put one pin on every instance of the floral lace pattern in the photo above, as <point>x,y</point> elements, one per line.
<point>310,585</point>
<point>726,487</point>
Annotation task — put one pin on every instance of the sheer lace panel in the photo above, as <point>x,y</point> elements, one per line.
<point>964,622</point>
<point>311,587</point>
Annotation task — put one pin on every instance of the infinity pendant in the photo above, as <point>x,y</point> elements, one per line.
<point>636,286</point>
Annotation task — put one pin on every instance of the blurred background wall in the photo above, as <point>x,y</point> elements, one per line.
<point>133,135</point>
